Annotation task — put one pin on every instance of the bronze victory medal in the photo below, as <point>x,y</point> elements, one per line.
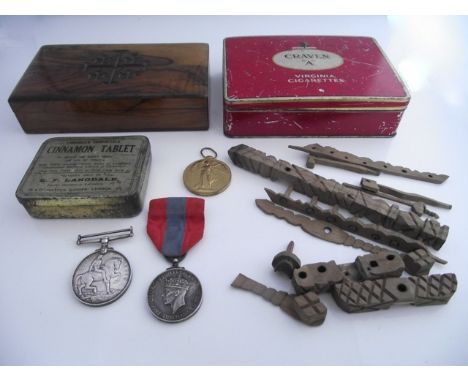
<point>208,176</point>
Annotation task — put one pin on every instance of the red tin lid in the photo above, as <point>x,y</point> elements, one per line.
<point>310,72</point>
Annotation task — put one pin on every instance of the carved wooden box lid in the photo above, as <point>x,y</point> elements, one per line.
<point>71,88</point>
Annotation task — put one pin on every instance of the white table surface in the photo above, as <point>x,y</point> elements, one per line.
<point>41,322</point>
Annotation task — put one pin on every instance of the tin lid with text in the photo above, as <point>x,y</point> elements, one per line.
<point>310,72</point>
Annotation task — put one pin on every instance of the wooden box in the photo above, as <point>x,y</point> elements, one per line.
<point>111,88</point>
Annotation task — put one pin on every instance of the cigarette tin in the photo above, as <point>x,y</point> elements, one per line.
<point>310,86</point>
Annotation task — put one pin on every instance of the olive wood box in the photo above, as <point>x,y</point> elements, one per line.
<point>112,88</point>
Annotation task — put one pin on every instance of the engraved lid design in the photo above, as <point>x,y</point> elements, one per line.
<point>112,67</point>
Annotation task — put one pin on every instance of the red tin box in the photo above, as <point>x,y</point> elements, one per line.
<point>310,86</point>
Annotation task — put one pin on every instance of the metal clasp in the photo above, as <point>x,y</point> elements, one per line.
<point>105,237</point>
<point>209,149</point>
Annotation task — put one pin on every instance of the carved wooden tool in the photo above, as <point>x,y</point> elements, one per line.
<point>373,186</point>
<point>370,295</point>
<point>417,262</point>
<point>351,224</point>
<point>306,307</point>
<point>332,157</point>
<point>319,277</point>
<point>331,192</point>
<point>418,208</point>
<point>416,201</point>
<point>371,283</point>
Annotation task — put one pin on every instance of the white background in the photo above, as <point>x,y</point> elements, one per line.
<point>41,322</point>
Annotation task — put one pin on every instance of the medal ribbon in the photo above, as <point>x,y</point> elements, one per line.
<point>176,224</point>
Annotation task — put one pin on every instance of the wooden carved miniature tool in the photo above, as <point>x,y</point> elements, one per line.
<point>417,262</point>
<point>372,282</point>
<point>329,191</point>
<point>333,157</point>
<point>370,295</point>
<point>372,185</point>
<point>352,224</point>
<point>416,201</point>
<point>306,308</point>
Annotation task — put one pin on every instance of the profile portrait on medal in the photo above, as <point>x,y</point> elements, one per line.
<point>100,273</point>
<point>174,293</point>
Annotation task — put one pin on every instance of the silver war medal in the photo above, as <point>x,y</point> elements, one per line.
<point>104,275</point>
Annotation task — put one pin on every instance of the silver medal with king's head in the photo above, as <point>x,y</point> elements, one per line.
<point>175,295</point>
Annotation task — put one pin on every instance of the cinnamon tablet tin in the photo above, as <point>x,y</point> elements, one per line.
<point>87,177</point>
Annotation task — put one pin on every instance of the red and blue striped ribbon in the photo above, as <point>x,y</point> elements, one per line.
<point>176,224</point>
